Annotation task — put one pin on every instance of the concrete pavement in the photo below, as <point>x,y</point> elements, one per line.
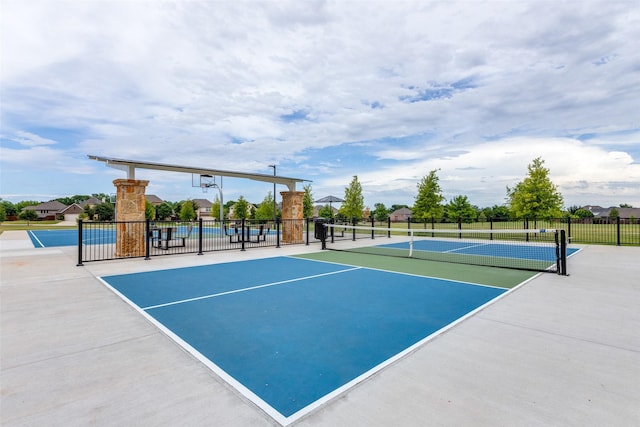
<point>558,350</point>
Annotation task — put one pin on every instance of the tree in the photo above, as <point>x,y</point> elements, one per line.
<point>105,211</point>
<point>583,213</point>
<point>307,202</point>
<point>613,213</point>
<point>9,208</point>
<point>149,210</point>
<point>535,197</point>
<point>459,208</point>
<point>241,209</point>
<point>428,202</point>
<point>89,211</point>
<point>164,211</point>
<point>325,212</point>
<point>625,205</point>
<point>353,204</point>
<point>3,213</point>
<point>380,212</point>
<point>187,211</point>
<point>265,209</point>
<point>215,209</point>
<point>28,215</point>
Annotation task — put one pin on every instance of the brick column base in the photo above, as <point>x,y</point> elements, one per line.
<point>292,217</point>
<point>130,203</point>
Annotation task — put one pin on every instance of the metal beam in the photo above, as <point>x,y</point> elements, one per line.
<point>131,165</point>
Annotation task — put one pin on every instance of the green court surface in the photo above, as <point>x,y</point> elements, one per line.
<point>491,276</point>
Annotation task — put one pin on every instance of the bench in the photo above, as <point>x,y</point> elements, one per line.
<point>167,238</point>
<point>262,233</point>
<point>234,235</point>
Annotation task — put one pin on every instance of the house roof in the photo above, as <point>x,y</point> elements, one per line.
<point>153,199</point>
<point>91,201</point>
<point>202,203</point>
<point>73,208</point>
<point>402,211</point>
<point>53,206</point>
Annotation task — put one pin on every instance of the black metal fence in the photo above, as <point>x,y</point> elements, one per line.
<point>145,239</point>
<point>601,231</point>
<point>97,240</point>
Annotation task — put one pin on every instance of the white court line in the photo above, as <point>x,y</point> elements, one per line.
<point>36,237</point>
<point>249,289</point>
<point>466,247</point>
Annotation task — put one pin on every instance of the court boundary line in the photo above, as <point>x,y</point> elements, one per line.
<point>235,291</point>
<point>31,233</point>
<point>265,407</point>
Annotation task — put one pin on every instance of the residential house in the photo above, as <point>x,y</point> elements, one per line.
<point>400,215</point>
<point>72,212</point>
<point>48,210</point>
<point>204,208</point>
<point>153,199</point>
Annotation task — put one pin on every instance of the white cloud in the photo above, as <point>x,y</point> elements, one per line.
<point>209,83</point>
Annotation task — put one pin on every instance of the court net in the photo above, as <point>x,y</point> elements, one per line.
<point>531,249</point>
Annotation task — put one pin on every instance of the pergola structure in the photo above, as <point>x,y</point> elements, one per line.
<point>131,201</point>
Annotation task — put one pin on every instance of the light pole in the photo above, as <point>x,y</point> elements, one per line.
<point>274,197</point>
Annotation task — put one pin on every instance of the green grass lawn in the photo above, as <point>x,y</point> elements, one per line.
<point>32,225</point>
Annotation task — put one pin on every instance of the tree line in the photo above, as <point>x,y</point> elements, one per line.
<point>535,197</point>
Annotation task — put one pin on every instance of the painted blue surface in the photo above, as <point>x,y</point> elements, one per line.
<point>51,238</point>
<point>95,236</point>
<point>294,342</point>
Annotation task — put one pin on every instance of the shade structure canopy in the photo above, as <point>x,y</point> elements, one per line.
<point>330,199</point>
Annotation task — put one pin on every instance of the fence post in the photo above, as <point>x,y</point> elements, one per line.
<point>242,234</point>
<point>373,224</point>
<point>460,227</point>
<point>490,228</point>
<point>353,230</point>
<point>618,231</point>
<point>79,264</point>
<point>147,239</point>
<point>200,232</point>
<point>569,227</point>
<point>409,225</point>
<point>277,233</point>
<point>307,220</point>
<point>389,227</point>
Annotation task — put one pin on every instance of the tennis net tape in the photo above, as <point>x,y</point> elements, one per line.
<point>530,249</point>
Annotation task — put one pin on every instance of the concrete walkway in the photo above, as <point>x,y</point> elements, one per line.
<point>559,351</point>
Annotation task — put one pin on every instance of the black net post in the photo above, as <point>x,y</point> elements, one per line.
<point>79,264</point>
<point>320,231</point>
<point>618,231</point>
<point>389,227</point>
<point>562,270</point>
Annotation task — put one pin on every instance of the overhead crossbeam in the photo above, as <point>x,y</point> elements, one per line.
<point>130,166</point>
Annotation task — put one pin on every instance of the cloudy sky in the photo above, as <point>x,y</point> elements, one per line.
<point>385,90</point>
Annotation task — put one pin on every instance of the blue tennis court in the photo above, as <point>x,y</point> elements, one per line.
<point>488,248</point>
<point>291,333</point>
<point>69,237</point>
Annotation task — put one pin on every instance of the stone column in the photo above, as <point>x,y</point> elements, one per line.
<point>130,203</point>
<point>292,217</point>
